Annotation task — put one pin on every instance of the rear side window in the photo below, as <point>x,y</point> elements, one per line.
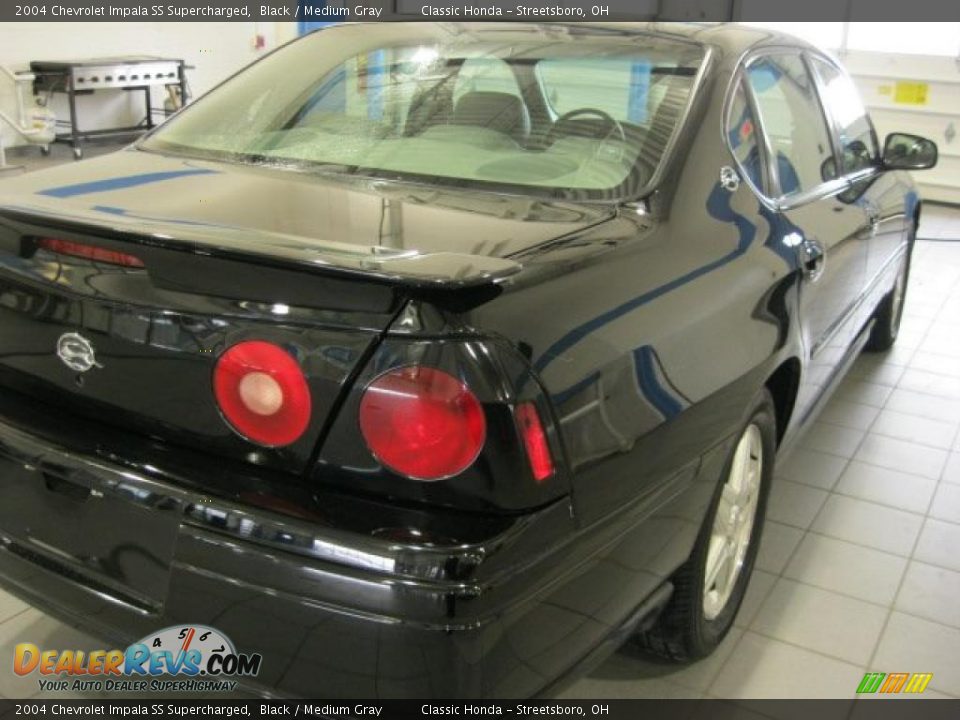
<point>742,137</point>
<point>858,143</point>
<point>792,120</point>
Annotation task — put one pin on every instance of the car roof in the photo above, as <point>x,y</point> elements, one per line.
<point>730,37</point>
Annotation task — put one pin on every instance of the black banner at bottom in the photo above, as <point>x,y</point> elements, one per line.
<point>707,709</point>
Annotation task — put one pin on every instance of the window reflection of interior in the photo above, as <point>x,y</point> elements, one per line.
<point>474,114</point>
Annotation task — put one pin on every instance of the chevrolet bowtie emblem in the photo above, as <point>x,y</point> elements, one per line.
<point>77,352</point>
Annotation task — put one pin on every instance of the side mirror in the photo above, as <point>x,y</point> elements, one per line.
<point>908,152</point>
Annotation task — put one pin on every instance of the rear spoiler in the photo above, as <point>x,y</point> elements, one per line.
<point>407,268</point>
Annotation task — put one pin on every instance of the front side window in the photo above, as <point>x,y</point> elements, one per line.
<point>858,143</point>
<point>463,109</point>
<point>792,120</point>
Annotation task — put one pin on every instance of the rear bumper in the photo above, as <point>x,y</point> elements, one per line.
<point>333,613</point>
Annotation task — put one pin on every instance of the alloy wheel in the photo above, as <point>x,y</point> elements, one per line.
<point>733,523</point>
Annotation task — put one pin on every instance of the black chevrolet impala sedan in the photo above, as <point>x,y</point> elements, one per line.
<point>439,360</point>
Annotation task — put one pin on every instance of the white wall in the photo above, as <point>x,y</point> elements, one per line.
<point>285,32</point>
<point>216,49</point>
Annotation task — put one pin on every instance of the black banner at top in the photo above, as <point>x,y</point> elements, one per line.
<point>473,10</point>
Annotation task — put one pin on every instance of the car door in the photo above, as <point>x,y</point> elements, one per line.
<point>809,215</point>
<point>878,194</point>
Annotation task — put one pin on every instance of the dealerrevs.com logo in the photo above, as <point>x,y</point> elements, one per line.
<point>191,658</point>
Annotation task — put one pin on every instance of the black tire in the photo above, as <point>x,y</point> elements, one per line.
<point>889,312</point>
<point>683,632</point>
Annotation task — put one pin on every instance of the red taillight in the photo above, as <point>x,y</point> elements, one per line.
<point>535,441</point>
<point>422,423</point>
<point>89,252</point>
<point>262,393</point>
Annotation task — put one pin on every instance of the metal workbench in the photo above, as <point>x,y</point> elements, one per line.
<point>84,77</point>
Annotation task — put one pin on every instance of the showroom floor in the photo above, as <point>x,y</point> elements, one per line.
<point>860,563</point>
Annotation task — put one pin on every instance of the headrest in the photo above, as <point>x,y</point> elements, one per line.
<point>499,111</point>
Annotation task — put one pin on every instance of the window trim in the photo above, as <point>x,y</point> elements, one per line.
<point>740,84</point>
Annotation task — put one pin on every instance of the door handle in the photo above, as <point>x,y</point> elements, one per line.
<point>813,257</point>
<point>63,486</point>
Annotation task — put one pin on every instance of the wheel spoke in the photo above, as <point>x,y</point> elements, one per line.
<point>725,522</point>
<point>733,522</point>
<point>716,561</point>
<point>738,472</point>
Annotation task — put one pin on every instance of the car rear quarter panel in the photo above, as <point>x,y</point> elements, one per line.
<point>651,334</point>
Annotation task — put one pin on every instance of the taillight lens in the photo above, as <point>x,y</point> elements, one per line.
<point>422,423</point>
<point>89,252</point>
<point>535,441</point>
<point>262,393</point>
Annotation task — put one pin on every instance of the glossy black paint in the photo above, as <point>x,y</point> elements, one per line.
<point>642,330</point>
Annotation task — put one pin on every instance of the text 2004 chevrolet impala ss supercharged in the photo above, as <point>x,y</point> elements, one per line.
<point>439,360</point>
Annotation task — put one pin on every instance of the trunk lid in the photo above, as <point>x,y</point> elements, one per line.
<point>230,253</point>
<point>298,215</point>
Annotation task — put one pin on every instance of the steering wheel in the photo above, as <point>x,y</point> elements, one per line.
<point>613,126</point>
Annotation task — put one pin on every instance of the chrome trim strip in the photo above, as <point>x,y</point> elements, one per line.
<point>833,187</point>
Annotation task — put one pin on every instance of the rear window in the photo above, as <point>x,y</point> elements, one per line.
<point>560,112</point>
